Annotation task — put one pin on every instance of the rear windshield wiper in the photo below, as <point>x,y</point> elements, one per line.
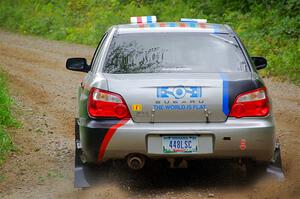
<point>226,40</point>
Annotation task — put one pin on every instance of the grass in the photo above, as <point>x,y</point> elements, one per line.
<point>52,174</point>
<point>268,28</point>
<point>6,120</point>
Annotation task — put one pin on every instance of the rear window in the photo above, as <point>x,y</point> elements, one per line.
<point>174,52</point>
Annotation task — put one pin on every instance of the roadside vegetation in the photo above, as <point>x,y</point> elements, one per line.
<point>268,28</point>
<point>6,120</point>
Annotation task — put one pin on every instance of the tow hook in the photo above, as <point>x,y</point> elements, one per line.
<point>207,113</point>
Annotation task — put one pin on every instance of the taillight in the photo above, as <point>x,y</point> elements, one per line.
<point>106,104</point>
<point>253,103</point>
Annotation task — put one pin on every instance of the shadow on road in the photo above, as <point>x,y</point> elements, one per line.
<point>157,177</point>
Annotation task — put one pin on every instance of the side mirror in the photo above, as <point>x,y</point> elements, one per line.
<point>77,64</point>
<point>259,62</point>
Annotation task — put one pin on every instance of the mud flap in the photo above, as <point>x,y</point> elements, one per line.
<point>80,169</point>
<point>275,168</point>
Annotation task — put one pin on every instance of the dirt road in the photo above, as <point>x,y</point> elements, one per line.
<point>42,167</point>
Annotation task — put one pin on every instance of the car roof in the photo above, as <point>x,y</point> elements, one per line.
<point>173,27</point>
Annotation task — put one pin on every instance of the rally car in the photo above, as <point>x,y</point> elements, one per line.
<point>172,90</point>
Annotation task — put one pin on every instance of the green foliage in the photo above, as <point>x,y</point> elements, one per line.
<point>6,120</point>
<point>269,28</point>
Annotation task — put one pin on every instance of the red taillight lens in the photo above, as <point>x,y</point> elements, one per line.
<point>103,103</point>
<point>253,103</point>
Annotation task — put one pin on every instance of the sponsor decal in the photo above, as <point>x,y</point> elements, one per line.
<point>180,107</point>
<point>179,92</point>
<point>179,98</point>
<point>137,107</point>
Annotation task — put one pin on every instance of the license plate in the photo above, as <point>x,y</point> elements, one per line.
<point>180,144</point>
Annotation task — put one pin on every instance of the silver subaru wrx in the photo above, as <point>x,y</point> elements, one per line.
<point>172,90</point>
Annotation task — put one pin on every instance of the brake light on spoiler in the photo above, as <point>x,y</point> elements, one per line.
<point>105,104</point>
<point>193,20</point>
<point>253,103</point>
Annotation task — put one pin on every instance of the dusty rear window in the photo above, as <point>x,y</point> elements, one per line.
<point>174,52</point>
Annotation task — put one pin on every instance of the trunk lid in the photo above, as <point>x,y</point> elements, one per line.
<point>173,97</point>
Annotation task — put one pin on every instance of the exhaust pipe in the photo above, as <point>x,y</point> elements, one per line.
<point>136,161</point>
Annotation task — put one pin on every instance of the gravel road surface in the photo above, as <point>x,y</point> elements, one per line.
<point>42,167</point>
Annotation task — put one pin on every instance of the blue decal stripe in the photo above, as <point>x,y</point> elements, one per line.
<point>225,95</point>
<point>152,25</point>
<point>149,19</point>
<point>172,24</point>
<point>192,25</point>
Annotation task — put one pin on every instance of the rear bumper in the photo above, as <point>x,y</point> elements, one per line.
<point>131,137</point>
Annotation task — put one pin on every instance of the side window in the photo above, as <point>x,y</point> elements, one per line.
<point>246,53</point>
<point>96,57</point>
